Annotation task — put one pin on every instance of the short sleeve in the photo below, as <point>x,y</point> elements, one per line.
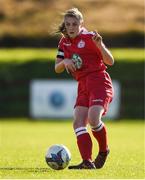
<point>94,47</point>
<point>60,52</point>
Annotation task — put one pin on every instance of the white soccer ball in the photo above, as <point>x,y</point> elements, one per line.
<point>58,157</point>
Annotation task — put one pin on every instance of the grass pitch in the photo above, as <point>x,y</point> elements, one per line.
<point>23,145</point>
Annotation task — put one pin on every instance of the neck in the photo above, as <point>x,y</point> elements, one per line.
<point>80,31</point>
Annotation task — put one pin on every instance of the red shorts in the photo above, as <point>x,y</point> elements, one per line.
<point>95,89</point>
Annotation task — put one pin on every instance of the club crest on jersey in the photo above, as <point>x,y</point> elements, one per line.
<point>81,44</point>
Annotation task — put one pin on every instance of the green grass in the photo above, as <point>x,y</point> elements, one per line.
<point>23,55</point>
<point>23,145</point>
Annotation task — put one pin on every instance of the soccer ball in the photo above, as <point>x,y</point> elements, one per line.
<point>58,157</point>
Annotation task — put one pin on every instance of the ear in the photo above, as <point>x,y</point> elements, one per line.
<point>82,24</point>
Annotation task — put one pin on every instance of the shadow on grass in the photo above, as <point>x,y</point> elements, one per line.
<point>24,169</point>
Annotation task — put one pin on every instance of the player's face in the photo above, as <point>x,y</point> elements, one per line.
<point>72,26</point>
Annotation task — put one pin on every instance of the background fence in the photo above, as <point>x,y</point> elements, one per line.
<point>15,80</point>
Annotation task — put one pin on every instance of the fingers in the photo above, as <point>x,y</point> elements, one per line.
<point>97,37</point>
<point>67,70</point>
<point>95,32</point>
<point>69,65</point>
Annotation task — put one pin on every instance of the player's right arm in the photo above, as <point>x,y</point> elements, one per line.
<point>62,64</point>
<point>59,65</point>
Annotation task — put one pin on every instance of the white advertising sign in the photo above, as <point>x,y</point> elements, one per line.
<point>56,99</point>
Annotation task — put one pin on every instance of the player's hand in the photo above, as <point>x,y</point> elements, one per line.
<point>97,39</point>
<point>69,65</point>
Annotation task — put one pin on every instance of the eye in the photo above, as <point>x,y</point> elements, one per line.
<point>74,24</point>
<point>67,24</point>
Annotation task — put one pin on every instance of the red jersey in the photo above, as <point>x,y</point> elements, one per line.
<point>86,49</point>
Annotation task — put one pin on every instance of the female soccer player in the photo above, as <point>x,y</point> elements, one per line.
<point>84,55</point>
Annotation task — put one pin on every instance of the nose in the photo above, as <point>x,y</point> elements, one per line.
<point>71,28</point>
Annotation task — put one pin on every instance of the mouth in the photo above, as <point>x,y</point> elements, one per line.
<point>71,33</point>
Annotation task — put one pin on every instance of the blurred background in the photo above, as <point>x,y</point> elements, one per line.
<point>28,47</point>
<point>36,104</point>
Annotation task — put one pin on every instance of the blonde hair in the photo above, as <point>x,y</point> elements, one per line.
<point>74,12</point>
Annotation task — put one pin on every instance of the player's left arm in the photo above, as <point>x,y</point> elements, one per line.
<point>106,54</point>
